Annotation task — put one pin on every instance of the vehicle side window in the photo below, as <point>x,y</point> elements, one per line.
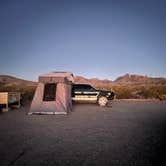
<point>77,88</point>
<point>88,88</point>
<point>83,88</point>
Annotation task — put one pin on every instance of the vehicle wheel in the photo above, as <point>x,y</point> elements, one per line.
<point>102,101</point>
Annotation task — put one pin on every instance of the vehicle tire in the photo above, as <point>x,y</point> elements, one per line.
<point>102,101</point>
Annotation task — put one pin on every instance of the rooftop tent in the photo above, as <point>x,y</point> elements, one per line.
<point>53,94</point>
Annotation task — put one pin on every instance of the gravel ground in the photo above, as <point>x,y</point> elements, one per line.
<point>127,133</point>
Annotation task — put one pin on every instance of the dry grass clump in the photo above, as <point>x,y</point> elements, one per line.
<point>121,91</point>
<point>137,91</point>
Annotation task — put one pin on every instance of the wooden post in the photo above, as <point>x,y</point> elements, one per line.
<point>7,104</point>
<point>19,98</point>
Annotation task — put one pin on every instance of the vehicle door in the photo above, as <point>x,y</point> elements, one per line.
<point>77,92</point>
<point>90,93</point>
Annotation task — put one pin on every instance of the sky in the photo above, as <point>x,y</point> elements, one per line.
<point>91,38</point>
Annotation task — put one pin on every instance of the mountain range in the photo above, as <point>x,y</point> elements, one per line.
<point>127,79</point>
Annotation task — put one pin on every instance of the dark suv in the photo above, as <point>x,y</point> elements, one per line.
<point>85,92</point>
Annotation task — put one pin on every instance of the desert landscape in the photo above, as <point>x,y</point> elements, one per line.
<point>129,131</point>
<point>129,86</point>
<point>115,49</point>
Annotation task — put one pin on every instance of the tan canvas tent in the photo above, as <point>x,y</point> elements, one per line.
<point>53,94</point>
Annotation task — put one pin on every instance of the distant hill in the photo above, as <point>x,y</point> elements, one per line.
<point>139,79</point>
<point>127,86</point>
<point>92,81</point>
<point>6,80</point>
<point>124,80</point>
<point>9,81</point>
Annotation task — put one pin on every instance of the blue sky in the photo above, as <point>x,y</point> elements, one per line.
<point>103,39</point>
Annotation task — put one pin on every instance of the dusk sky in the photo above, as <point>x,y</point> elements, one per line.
<point>103,39</point>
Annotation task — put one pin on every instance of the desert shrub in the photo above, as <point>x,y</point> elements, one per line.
<point>144,92</point>
<point>122,92</point>
<point>26,92</point>
<point>151,91</point>
<point>136,91</point>
<point>160,89</point>
<point>9,89</point>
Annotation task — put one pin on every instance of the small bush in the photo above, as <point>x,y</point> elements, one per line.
<point>26,92</point>
<point>136,91</point>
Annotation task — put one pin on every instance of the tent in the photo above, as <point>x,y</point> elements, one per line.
<point>53,94</point>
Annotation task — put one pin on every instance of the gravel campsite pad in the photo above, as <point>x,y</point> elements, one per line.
<point>127,133</point>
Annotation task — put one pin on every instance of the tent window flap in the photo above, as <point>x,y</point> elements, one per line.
<point>49,92</point>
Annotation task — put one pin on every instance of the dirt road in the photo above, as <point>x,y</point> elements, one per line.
<point>129,133</point>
